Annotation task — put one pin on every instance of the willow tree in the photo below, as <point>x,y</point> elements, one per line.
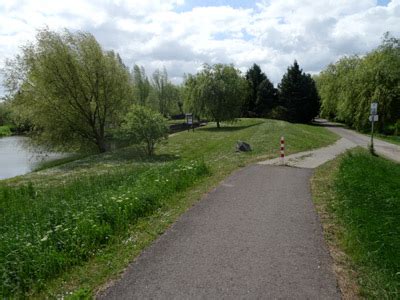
<point>70,89</point>
<point>348,87</point>
<point>217,92</point>
<point>141,84</point>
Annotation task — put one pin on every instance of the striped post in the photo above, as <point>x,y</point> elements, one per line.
<point>282,151</point>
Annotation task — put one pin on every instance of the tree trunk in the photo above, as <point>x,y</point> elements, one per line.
<point>218,125</point>
<point>101,144</point>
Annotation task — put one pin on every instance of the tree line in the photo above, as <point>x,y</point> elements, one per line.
<point>349,86</point>
<point>74,96</point>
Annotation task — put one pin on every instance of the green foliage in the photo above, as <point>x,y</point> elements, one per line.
<point>298,94</point>
<point>348,87</point>
<point>5,113</point>
<point>217,92</point>
<point>262,96</point>
<point>69,89</point>
<point>91,188</point>
<point>166,97</point>
<point>141,85</point>
<point>368,204</point>
<point>47,229</point>
<point>144,126</point>
<point>254,77</point>
<point>267,98</point>
<point>5,131</point>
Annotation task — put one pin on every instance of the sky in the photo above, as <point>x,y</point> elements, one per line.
<point>182,35</point>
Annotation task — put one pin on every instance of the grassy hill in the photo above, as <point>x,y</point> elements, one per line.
<point>73,227</point>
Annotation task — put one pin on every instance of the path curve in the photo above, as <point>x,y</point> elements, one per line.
<point>383,148</point>
<point>257,235</point>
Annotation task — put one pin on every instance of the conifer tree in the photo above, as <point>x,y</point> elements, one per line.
<point>254,77</point>
<point>298,94</point>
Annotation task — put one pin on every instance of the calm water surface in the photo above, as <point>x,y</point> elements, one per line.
<point>18,159</point>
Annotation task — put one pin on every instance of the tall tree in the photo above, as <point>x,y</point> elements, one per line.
<point>217,92</point>
<point>298,94</point>
<point>70,89</point>
<point>160,85</point>
<point>348,87</point>
<point>141,84</point>
<point>254,77</point>
<point>267,97</point>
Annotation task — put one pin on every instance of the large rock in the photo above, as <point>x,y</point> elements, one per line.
<point>242,146</point>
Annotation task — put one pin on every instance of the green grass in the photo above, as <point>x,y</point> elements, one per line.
<point>390,138</point>
<point>5,131</point>
<point>46,230</point>
<point>48,164</point>
<point>362,193</point>
<point>92,199</point>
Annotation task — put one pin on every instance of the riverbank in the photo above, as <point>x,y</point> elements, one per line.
<point>93,216</point>
<point>17,157</point>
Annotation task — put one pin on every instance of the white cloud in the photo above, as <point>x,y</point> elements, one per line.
<point>156,33</point>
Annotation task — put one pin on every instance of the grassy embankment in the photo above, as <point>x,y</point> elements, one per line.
<point>358,198</point>
<point>74,227</point>
<point>5,131</point>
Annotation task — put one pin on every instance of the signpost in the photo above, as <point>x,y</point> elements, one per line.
<point>373,118</point>
<point>189,121</point>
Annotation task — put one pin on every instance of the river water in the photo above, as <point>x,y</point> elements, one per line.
<point>16,158</point>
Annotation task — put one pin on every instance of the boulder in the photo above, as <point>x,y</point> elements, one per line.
<point>242,146</point>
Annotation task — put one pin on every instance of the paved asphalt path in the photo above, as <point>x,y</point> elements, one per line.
<point>383,148</point>
<point>256,236</point>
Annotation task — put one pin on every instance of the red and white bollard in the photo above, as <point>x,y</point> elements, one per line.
<point>282,151</point>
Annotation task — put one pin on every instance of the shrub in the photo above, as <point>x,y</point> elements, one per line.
<point>5,131</point>
<point>144,126</point>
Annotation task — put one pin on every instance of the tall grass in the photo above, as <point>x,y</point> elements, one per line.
<point>45,230</point>
<point>367,190</point>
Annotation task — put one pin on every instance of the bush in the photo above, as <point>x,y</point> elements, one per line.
<point>144,126</point>
<point>5,131</point>
<point>278,113</point>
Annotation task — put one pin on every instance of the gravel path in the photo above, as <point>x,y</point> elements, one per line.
<point>255,236</point>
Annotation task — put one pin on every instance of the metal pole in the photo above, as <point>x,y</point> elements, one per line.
<point>372,133</point>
